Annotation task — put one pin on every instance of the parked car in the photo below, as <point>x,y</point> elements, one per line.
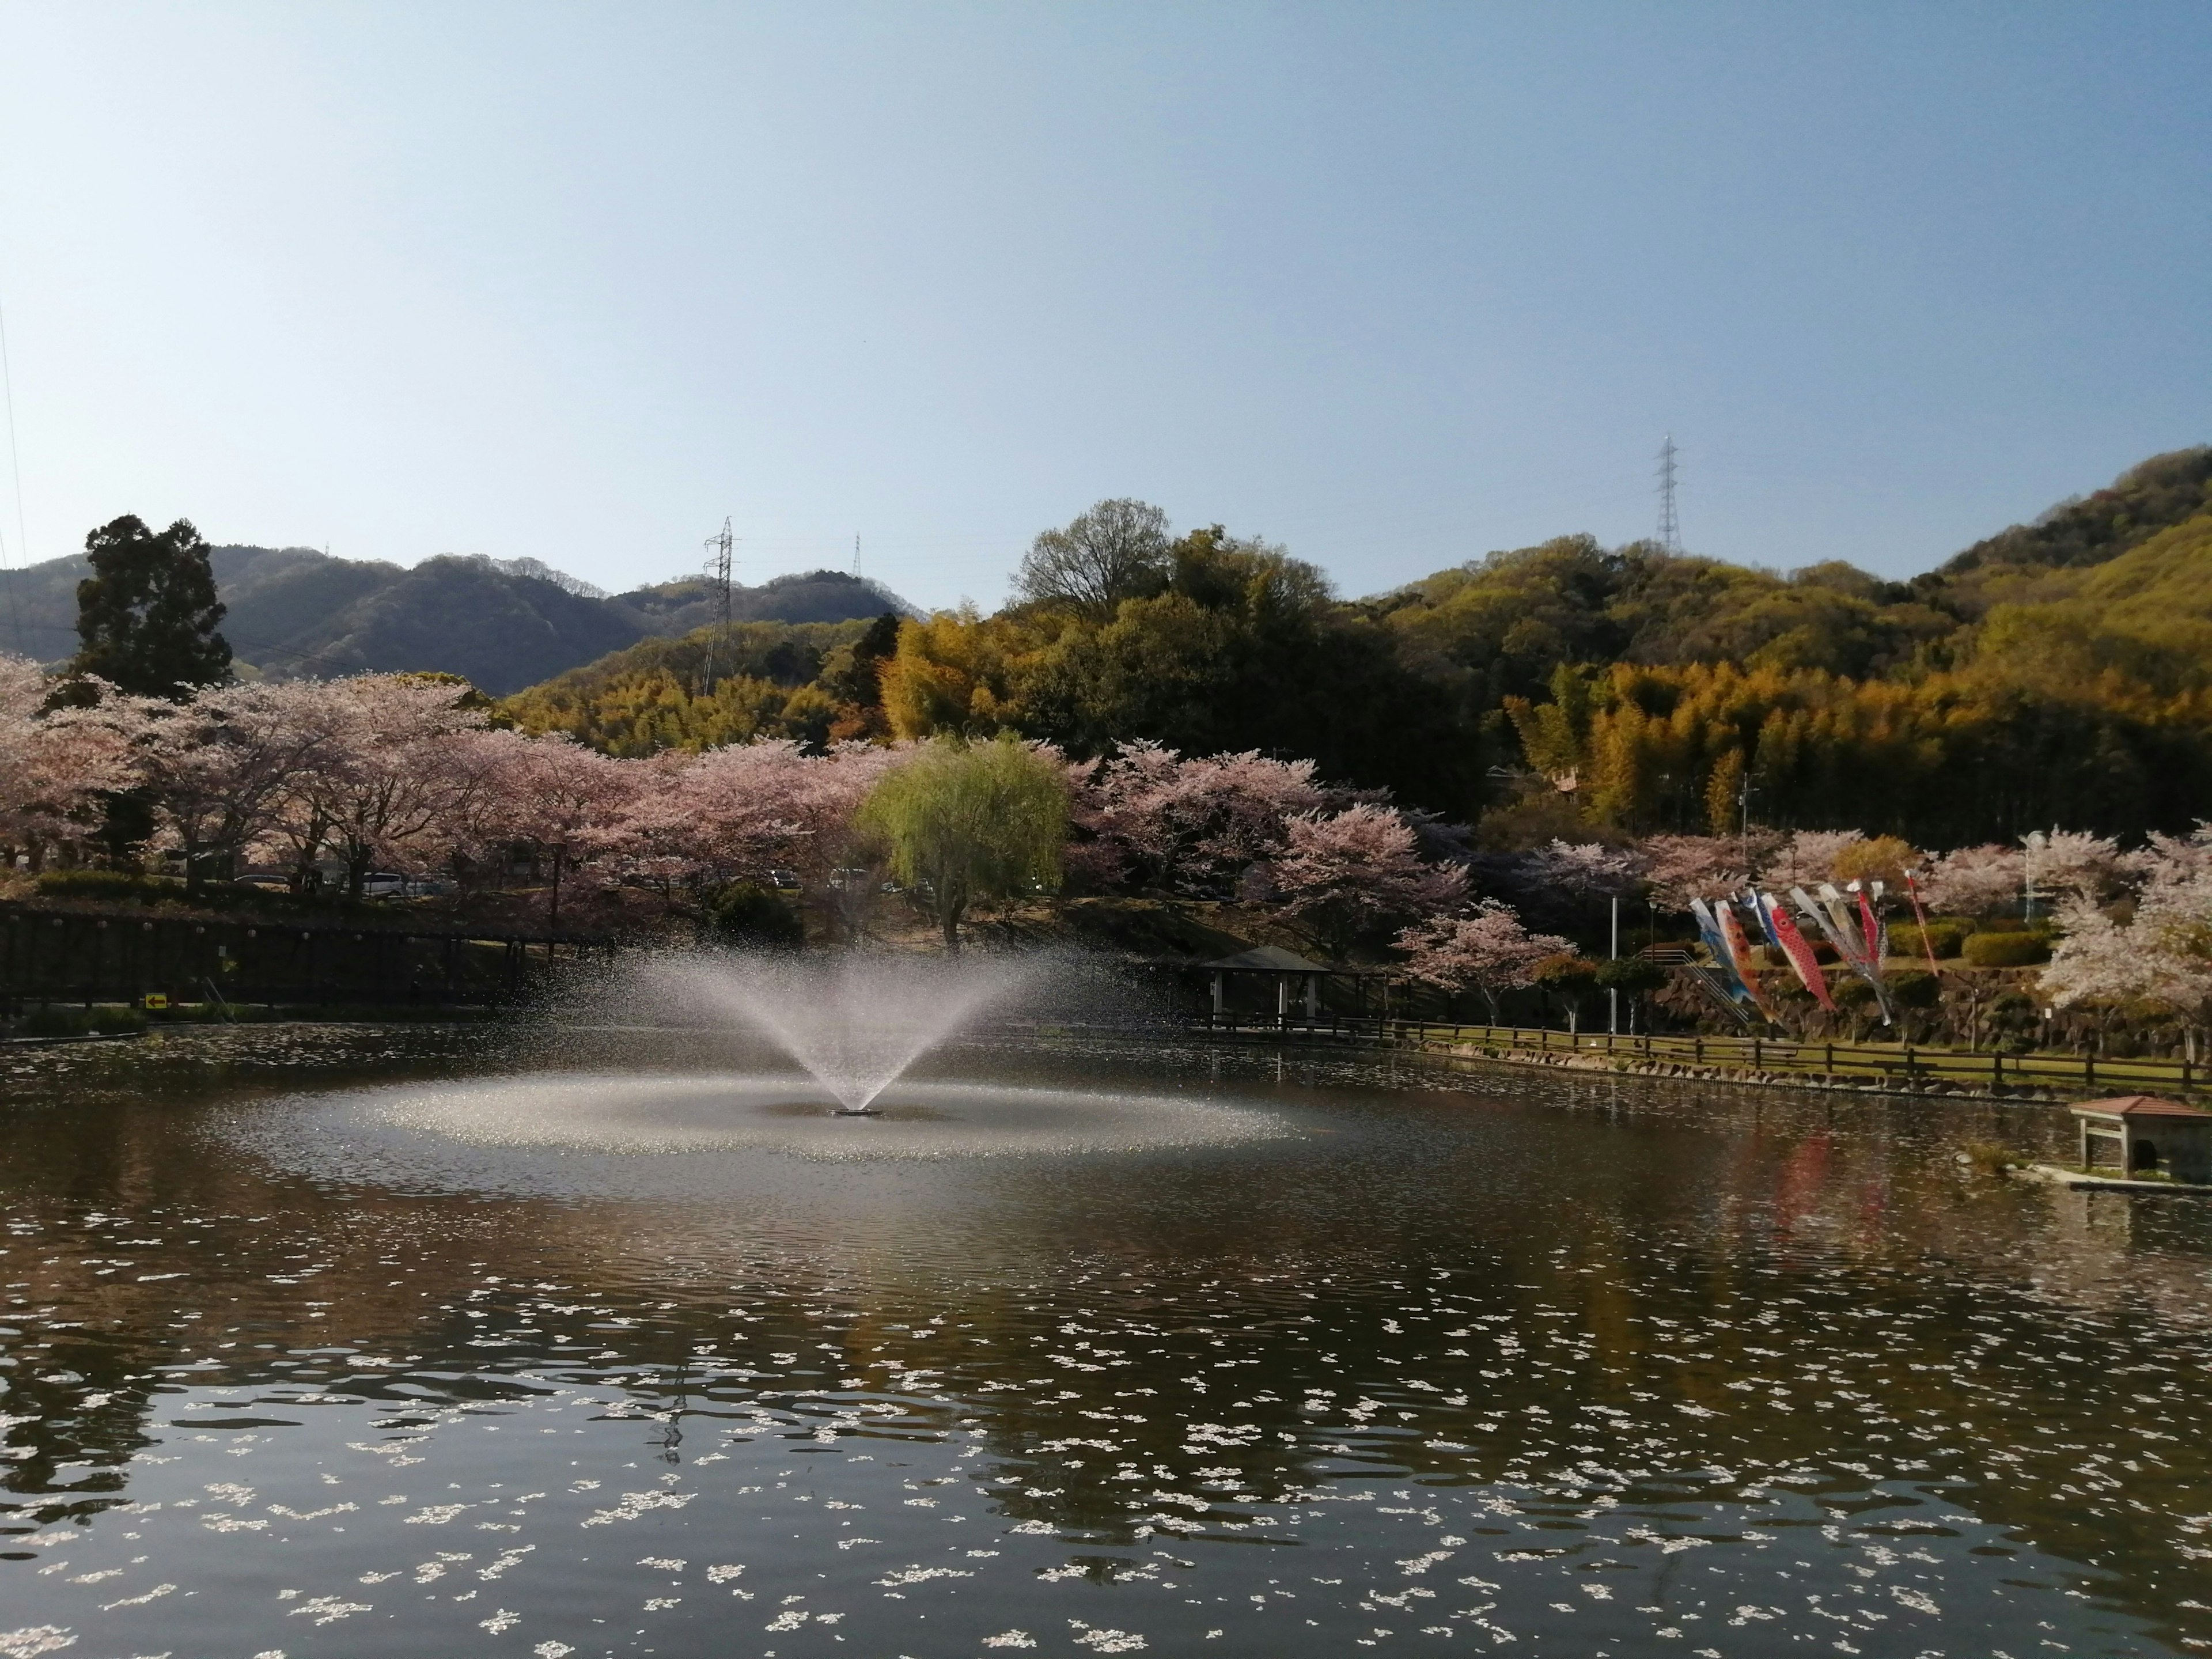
<point>385,883</point>
<point>784,881</point>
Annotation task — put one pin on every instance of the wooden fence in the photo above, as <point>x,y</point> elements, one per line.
<point>50,956</point>
<point>1902,1067</point>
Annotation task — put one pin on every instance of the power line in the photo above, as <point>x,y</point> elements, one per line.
<point>1670,529</point>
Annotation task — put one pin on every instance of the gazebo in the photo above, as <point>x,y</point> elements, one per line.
<point>1271,962</point>
<point>2147,1133</point>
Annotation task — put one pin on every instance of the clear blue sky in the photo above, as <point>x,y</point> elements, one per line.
<point>1395,284</point>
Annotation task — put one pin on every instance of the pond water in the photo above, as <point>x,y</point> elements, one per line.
<point>366,1342</point>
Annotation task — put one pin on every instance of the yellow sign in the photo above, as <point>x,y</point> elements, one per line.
<point>155,1000</point>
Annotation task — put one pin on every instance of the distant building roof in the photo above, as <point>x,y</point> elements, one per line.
<point>2139,1106</point>
<point>1269,959</point>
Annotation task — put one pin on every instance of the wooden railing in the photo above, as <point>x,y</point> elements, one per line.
<point>57,955</point>
<point>1902,1067</point>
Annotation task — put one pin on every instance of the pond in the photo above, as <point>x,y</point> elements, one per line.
<point>362,1341</point>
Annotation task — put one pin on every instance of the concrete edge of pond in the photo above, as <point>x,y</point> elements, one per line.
<point>75,1037</point>
<point>2061,1176</point>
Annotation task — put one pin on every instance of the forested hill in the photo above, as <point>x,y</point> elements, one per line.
<point>813,681</point>
<point>1502,624</point>
<point>503,624</point>
<point>2162,492</point>
<point>2058,672</point>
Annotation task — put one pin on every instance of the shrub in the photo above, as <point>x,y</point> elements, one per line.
<point>1853,993</point>
<point>1885,859</point>
<point>1990,1157</point>
<point>113,1021</point>
<point>50,1021</point>
<point>1914,990</point>
<point>1630,974</point>
<point>107,884</point>
<point>2007,949</point>
<point>1946,937</point>
<point>742,913</point>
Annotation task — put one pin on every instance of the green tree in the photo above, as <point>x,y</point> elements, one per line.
<point>1117,551</point>
<point>970,821</point>
<point>147,615</point>
<point>1243,649</point>
<point>1570,978</point>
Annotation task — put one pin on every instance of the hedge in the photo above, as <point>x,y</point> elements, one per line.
<point>2007,949</point>
<point>1947,937</point>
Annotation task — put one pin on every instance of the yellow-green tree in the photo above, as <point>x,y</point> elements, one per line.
<point>964,821</point>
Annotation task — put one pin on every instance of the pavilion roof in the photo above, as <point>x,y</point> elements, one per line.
<point>2138,1106</point>
<point>1268,959</point>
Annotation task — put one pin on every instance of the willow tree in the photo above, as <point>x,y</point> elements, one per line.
<point>963,822</point>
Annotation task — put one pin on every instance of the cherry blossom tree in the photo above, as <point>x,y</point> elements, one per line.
<point>1804,856</point>
<point>1565,885</point>
<point>1349,871</point>
<point>2072,860</point>
<point>220,768</point>
<point>55,764</point>
<point>1990,879</point>
<point>392,784</point>
<point>1488,950</point>
<point>738,812</point>
<point>1587,870</point>
<point>1976,881</point>
<point>2162,957</point>
<point>1195,825</point>
<point>572,803</point>
<point>1684,868</point>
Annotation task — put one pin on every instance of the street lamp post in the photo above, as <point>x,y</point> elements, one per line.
<point>1612,992</point>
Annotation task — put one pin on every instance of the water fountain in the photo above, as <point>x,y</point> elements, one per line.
<point>854,1023</point>
<point>859,1027</point>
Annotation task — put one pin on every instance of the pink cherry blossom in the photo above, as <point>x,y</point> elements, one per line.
<point>1348,871</point>
<point>1487,950</point>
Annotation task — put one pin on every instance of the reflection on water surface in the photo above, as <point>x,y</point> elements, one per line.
<point>1236,1354</point>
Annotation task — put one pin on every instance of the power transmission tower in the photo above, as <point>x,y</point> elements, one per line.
<point>1670,528</point>
<point>719,566</point>
<point>856,556</point>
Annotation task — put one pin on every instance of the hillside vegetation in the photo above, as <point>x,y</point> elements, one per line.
<point>2059,672</point>
<point>815,682</point>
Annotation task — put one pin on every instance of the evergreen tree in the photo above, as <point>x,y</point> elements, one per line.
<point>147,615</point>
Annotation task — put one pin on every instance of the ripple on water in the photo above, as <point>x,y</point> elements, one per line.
<point>1448,1361</point>
<point>725,1119</point>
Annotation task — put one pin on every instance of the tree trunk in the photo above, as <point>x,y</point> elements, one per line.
<point>949,912</point>
<point>553,917</point>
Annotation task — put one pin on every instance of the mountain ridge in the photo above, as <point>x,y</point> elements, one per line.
<point>502,624</point>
